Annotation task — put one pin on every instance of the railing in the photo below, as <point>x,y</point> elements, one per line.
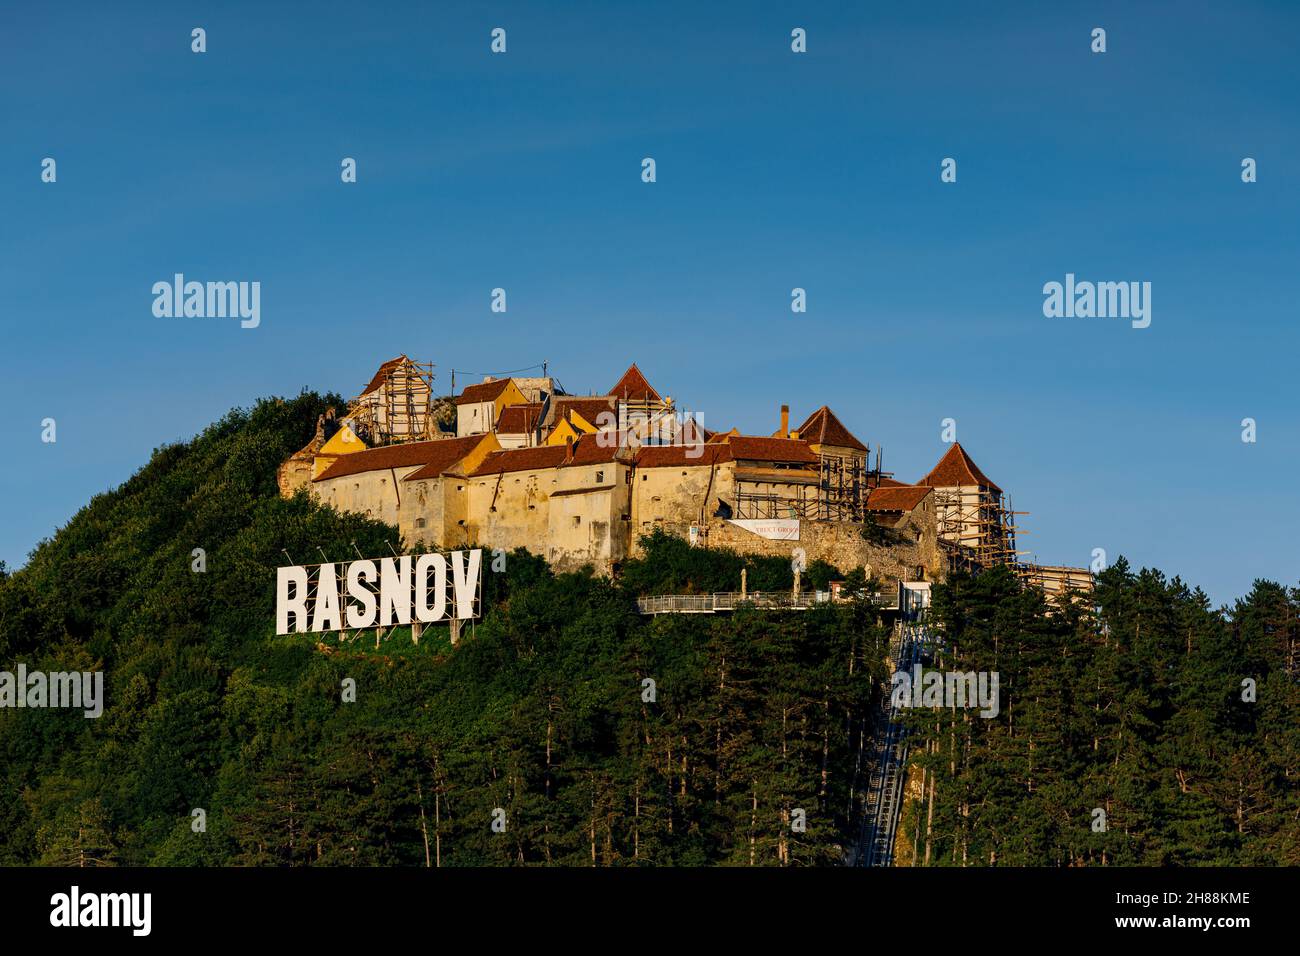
<point>730,600</point>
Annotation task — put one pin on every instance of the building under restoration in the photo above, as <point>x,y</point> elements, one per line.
<point>514,462</point>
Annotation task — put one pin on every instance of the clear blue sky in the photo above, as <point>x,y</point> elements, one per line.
<point>775,170</point>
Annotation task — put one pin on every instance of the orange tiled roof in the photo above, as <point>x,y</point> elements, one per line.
<point>680,456</point>
<point>521,459</point>
<point>751,448</point>
<point>585,451</point>
<point>382,375</point>
<point>634,387</point>
<point>823,428</point>
<point>387,456</point>
<point>451,453</point>
<point>594,449</point>
<point>519,419</point>
<point>482,392</point>
<point>902,498</point>
<point>955,469</point>
<point>589,408</point>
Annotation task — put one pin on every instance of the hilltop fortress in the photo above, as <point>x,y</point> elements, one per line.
<point>516,462</point>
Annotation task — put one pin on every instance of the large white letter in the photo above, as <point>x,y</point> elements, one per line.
<point>362,594</point>
<point>327,600</point>
<point>395,590</point>
<point>423,613</point>
<point>465,580</point>
<point>286,605</point>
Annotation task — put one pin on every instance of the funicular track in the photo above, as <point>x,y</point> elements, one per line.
<point>883,802</point>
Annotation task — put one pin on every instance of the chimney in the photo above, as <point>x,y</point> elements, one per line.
<point>568,447</point>
<point>785,421</point>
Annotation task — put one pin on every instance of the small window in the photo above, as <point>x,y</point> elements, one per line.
<point>577,520</point>
<point>600,476</point>
<point>419,522</point>
<point>644,477</point>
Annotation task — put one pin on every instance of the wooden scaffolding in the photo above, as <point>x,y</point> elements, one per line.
<point>398,409</point>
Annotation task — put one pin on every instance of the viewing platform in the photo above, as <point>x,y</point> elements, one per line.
<point>724,601</point>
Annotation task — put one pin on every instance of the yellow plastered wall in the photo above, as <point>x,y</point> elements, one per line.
<point>562,433</point>
<point>487,446</point>
<point>343,442</point>
<point>510,395</point>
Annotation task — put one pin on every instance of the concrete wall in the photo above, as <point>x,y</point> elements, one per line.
<point>457,511</point>
<point>674,498</point>
<point>587,527</point>
<point>475,418</point>
<point>371,493</point>
<point>838,542</point>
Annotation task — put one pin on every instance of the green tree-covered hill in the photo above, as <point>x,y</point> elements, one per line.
<point>539,712</point>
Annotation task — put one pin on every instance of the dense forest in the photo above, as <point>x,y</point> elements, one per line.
<point>1151,730</point>
<point>542,711</point>
<point>566,729</point>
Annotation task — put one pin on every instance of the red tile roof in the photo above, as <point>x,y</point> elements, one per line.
<point>680,456</point>
<point>388,456</point>
<point>521,459</point>
<point>589,408</point>
<point>519,419</point>
<point>482,392</point>
<point>587,450</point>
<point>751,448</point>
<point>890,483</point>
<point>903,498</point>
<point>955,469</point>
<point>452,453</point>
<point>381,376</point>
<point>595,449</point>
<point>633,386</point>
<point>823,428</point>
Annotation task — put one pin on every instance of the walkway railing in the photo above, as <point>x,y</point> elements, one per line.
<point>730,600</point>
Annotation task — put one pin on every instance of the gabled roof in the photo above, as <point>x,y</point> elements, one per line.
<point>452,452</point>
<point>483,392</point>
<point>382,375</point>
<point>595,449</point>
<point>823,428</point>
<point>955,469</point>
<point>900,498</point>
<point>682,456</point>
<point>390,456</point>
<point>634,387</point>
<point>589,408</point>
<point>522,459</point>
<point>751,448</point>
<point>587,450</point>
<point>519,419</point>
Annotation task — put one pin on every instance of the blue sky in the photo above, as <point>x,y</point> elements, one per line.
<point>775,170</point>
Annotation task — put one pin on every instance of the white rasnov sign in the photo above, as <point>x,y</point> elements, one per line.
<point>424,588</point>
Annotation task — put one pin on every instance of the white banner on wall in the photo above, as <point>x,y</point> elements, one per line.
<point>774,529</point>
